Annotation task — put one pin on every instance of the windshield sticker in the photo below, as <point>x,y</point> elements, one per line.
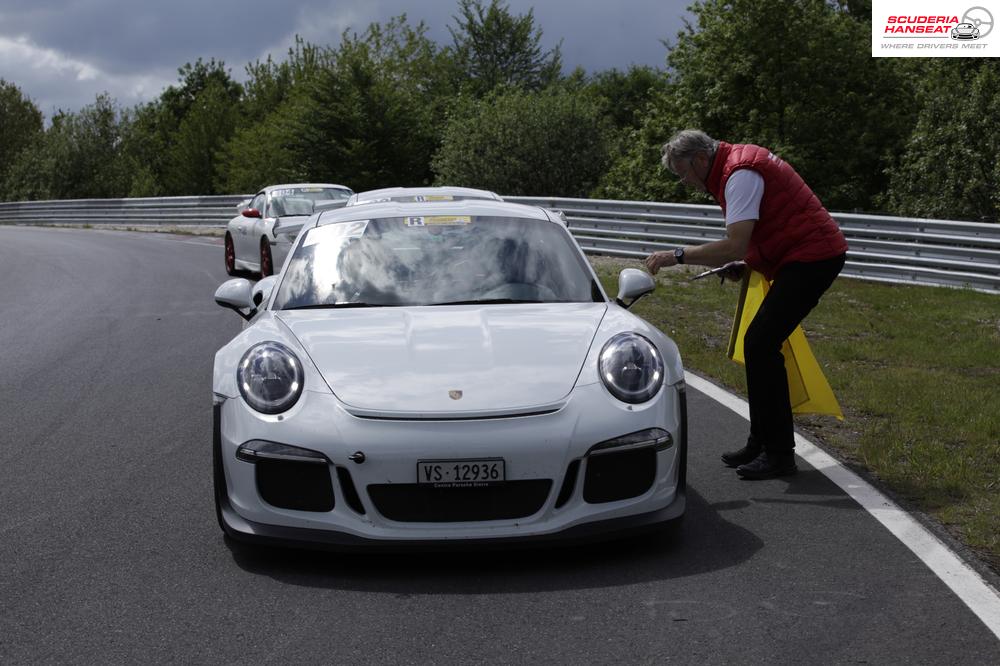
<point>292,191</point>
<point>336,231</point>
<point>434,197</point>
<point>438,220</point>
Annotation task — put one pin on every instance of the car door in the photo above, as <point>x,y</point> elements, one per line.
<point>262,227</point>
<point>247,243</point>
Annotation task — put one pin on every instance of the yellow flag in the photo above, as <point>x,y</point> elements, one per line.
<point>808,389</point>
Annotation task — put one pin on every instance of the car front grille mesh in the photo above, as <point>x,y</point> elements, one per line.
<point>414,502</point>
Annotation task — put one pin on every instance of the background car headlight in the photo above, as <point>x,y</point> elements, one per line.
<point>270,377</point>
<point>631,368</point>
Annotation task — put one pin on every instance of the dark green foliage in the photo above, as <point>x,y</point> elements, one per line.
<point>627,94</point>
<point>269,83</point>
<point>77,157</point>
<point>369,120</point>
<point>795,76</point>
<point>492,47</point>
<point>194,80</point>
<point>949,169</point>
<point>20,125</point>
<point>551,143</point>
<point>192,162</point>
<point>172,144</point>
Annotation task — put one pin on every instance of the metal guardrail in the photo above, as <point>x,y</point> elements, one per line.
<point>882,248</point>
<point>211,210</point>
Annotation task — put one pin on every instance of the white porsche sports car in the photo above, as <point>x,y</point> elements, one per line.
<point>432,372</point>
<point>251,236</point>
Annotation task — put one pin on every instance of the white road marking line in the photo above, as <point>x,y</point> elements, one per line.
<point>981,598</point>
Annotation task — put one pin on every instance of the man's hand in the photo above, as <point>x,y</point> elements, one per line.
<point>658,260</point>
<point>733,271</point>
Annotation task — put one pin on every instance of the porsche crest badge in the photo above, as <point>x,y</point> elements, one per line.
<point>455,395</point>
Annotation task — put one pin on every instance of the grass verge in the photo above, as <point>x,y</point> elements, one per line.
<point>916,370</point>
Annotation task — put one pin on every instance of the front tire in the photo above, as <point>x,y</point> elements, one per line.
<point>230,255</point>
<point>266,265</point>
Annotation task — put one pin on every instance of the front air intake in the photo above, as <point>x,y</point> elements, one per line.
<point>295,485</point>
<point>620,475</point>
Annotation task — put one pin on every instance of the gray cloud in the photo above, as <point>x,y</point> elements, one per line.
<point>62,53</point>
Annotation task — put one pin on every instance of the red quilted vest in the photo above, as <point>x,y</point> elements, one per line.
<point>793,225</point>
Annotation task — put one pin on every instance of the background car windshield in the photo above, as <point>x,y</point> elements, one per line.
<point>302,200</point>
<point>435,260</point>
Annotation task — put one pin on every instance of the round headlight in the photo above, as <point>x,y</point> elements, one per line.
<point>270,377</point>
<point>631,368</point>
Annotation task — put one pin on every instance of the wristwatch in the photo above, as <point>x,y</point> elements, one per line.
<point>679,255</point>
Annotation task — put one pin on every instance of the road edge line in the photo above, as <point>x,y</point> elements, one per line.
<point>974,591</point>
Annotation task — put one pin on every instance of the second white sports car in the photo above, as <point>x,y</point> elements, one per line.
<point>250,236</point>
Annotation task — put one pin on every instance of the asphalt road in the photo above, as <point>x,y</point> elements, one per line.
<point>109,549</point>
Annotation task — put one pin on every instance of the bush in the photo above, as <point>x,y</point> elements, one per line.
<point>552,143</point>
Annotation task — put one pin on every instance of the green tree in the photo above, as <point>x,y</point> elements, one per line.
<point>549,143</point>
<point>276,95</point>
<point>144,148</point>
<point>194,79</point>
<point>79,156</point>
<point>370,120</point>
<point>269,151</point>
<point>20,124</point>
<point>493,47</point>
<point>627,95</point>
<point>162,145</point>
<point>949,168</point>
<point>269,83</point>
<point>193,155</point>
<point>795,76</point>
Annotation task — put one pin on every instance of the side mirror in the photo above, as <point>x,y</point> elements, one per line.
<point>262,290</point>
<point>235,295</point>
<point>251,212</point>
<point>633,284</point>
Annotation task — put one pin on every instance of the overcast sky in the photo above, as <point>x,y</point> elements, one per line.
<point>62,53</point>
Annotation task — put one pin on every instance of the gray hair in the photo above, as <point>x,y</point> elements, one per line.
<point>685,145</point>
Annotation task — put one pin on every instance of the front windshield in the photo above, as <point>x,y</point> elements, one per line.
<point>435,260</point>
<point>295,201</point>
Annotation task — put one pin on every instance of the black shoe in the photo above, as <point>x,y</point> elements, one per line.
<point>763,467</point>
<point>744,455</point>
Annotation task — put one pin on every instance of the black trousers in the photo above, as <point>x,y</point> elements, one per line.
<point>794,293</point>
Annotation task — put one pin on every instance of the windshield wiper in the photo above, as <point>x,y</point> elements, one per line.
<point>489,301</point>
<point>332,306</point>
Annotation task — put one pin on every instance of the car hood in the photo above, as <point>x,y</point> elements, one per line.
<point>501,358</point>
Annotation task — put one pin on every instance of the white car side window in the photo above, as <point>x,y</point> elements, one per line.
<point>258,204</point>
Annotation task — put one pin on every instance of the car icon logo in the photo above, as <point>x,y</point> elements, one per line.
<point>455,395</point>
<point>965,31</point>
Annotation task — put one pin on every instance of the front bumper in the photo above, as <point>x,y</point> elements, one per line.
<point>538,447</point>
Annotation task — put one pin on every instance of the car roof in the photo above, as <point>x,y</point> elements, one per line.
<point>285,186</point>
<point>398,192</point>
<point>472,207</point>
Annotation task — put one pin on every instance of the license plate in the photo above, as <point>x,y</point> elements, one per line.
<point>461,473</point>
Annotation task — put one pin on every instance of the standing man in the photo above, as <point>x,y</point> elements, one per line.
<point>777,226</point>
